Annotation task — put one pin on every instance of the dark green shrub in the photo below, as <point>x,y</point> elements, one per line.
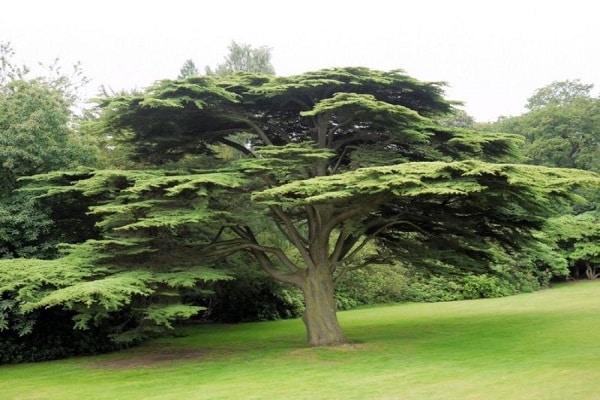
<point>376,284</point>
<point>252,295</point>
<point>484,286</point>
<point>432,289</point>
<point>52,336</point>
<point>257,299</point>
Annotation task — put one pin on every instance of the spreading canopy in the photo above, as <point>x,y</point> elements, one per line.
<point>332,160</point>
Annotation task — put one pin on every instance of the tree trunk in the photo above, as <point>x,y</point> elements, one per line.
<point>322,326</point>
<point>591,273</point>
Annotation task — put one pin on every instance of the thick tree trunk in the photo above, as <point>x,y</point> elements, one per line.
<point>322,326</point>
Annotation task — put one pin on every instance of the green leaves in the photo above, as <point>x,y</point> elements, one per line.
<point>110,293</point>
<point>154,224</point>
<point>34,131</point>
<point>326,165</point>
<point>577,237</point>
<point>165,315</point>
<point>425,178</point>
<point>562,128</point>
<point>94,291</point>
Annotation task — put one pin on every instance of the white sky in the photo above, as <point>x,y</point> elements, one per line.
<point>493,54</point>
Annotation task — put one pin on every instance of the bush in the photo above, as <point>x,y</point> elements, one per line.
<point>252,295</point>
<point>53,337</point>
<point>376,284</point>
<point>396,283</point>
<point>259,299</point>
<point>485,286</point>
<point>429,290</point>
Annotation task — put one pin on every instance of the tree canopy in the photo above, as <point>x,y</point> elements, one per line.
<point>242,57</point>
<point>558,92</point>
<point>562,129</point>
<point>36,136</point>
<point>332,160</point>
<point>188,69</point>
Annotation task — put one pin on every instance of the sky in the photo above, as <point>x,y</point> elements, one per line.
<point>493,55</point>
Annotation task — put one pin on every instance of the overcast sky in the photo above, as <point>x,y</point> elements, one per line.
<point>493,54</point>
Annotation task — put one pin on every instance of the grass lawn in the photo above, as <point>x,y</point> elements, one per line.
<point>543,345</point>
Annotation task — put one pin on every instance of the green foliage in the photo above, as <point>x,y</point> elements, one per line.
<point>372,284</point>
<point>139,265</point>
<point>36,136</point>
<point>463,178</point>
<point>23,228</point>
<point>52,336</point>
<point>458,119</point>
<point>336,160</point>
<point>34,131</point>
<point>110,294</point>
<point>393,87</point>
<point>242,57</point>
<point>252,295</point>
<point>35,128</point>
<point>385,283</point>
<point>465,287</point>
<point>140,118</point>
<point>562,130</point>
<point>165,315</point>
<point>577,239</point>
<point>188,69</point>
<point>558,93</point>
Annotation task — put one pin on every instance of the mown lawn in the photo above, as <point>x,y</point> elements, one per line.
<point>543,345</point>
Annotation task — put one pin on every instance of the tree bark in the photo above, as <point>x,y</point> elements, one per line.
<point>320,319</point>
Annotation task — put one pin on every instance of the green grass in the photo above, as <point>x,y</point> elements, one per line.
<point>543,345</point>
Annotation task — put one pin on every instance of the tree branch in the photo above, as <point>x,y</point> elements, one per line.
<point>347,214</point>
<point>343,245</point>
<point>218,235</point>
<point>229,247</point>
<point>295,278</point>
<point>237,146</point>
<point>370,237</point>
<point>344,271</point>
<point>292,233</point>
<point>339,245</point>
<point>341,157</point>
<point>314,222</point>
<point>261,134</point>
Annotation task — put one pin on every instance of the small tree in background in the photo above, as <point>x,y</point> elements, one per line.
<point>242,57</point>
<point>188,69</point>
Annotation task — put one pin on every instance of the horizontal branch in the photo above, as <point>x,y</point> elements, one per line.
<point>237,146</point>
<point>233,246</point>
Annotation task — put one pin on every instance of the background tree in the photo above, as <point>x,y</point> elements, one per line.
<point>558,92</point>
<point>242,57</point>
<point>39,132</point>
<point>339,159</point>
<point>562,134</point>
<point>8,70</point>
<point>188,69</point>
<point>36,136</point>
<point>562,129</point>
<point>577,238</point>
<point>458,119</point>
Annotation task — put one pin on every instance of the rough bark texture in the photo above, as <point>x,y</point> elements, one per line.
<point>322,326</point>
